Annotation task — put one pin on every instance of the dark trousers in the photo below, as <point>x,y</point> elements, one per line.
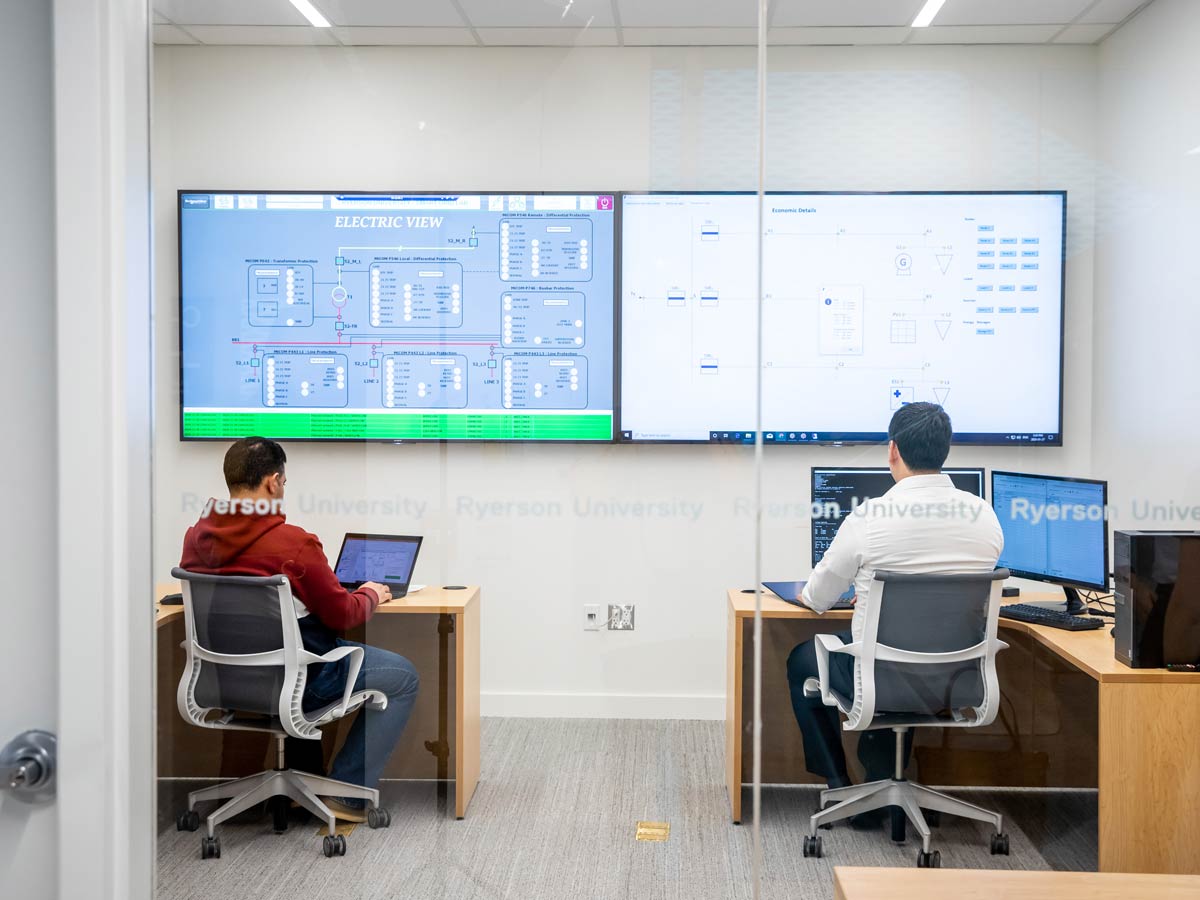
<point>821,726</point>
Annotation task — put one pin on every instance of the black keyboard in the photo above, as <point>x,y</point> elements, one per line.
<point>1035,615</point>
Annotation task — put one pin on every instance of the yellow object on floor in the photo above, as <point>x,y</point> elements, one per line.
<point>653,831</point>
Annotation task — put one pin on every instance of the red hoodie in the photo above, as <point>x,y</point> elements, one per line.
<point>250,544</point>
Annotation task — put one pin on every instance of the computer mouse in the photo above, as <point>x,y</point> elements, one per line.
<point>172,600</point>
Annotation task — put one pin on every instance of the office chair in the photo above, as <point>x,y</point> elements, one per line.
<point>927,659</point>
<point>245,671</point>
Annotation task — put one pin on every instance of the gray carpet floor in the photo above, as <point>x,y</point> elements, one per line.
<point>554,817</point>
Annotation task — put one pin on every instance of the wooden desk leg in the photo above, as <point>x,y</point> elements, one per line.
<point>733,715</point>
<point>466,707</point>
<point>1149,778</point>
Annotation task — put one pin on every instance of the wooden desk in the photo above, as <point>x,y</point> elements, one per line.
<point>981,884</point>
<point>1146,724</point>
<point>458,615</point>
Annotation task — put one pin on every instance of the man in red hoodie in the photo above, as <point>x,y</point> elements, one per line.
<point>247,535</point>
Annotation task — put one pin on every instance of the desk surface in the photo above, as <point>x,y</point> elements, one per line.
<point>427,600</point>
<point>852,883</point>
<point>1091,651</point>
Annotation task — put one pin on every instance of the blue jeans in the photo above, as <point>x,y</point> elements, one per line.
<point>374,734</point>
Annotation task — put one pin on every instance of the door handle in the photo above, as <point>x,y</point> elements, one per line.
<point>27,766</point>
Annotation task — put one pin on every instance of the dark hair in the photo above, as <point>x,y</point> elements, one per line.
<point>250,460</point>
<point>922,434</point>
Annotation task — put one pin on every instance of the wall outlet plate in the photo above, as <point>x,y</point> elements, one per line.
<point>591,617</point>
<point>620,617</point>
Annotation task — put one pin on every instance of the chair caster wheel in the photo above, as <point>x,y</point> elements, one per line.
<point>929,860</point>
<point>812,846</point>
<point>334,846</point>
<point>378,817</point>
<point>999,845</point>
<point>210,848</point>
<point>188,820</point>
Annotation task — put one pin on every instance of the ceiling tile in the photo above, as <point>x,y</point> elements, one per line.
<point>1009,12</point>
<point>690,37</point>
<point>171,34</point>
<point>818,36</point>
<point>386,36</point>
<point>395,13</point>
<point>548,37</point>
<point>687,13</point>
<point>1084,34</point>
<point>538,13</point>
<point>261,34</point>
<point>984,34</point>
<point>1112,11</point>
<point>231,12</point>
<point>845,12</point>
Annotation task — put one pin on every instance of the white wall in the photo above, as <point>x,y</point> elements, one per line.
<point>613,119</point>
<point>1147,373</point>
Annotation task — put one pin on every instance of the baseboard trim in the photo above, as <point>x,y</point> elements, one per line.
<point>602,706</point>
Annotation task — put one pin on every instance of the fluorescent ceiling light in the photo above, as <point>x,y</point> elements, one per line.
<point>310,12</point>
<point>924,17</point>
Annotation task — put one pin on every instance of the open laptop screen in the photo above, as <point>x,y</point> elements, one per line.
<point>388,559</point>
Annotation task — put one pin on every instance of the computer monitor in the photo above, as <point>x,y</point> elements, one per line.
<point>836,491</point>
<point>1055,530</point>
<point>356,316</point>
<point>867,301</point>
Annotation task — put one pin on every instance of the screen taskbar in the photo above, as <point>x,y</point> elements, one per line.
<point>837,437</point>
<point>433,425</point>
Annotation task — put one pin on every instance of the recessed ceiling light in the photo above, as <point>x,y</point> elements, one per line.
<point>311,13</point>
<point>925,16</point>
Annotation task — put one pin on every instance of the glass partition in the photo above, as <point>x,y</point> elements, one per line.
<point>928,206</point>
<point>441,326</point>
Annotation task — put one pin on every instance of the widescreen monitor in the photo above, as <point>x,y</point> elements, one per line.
<point>396,317</point>
<point>869,302</point>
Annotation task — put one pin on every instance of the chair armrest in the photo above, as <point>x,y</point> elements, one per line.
<point>826,644</point>
<point>356,658</point>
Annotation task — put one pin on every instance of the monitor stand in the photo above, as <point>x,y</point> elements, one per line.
<point>1074,603</point>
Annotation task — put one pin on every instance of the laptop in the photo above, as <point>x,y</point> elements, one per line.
<point>386,558</point>
<point>789,591</point>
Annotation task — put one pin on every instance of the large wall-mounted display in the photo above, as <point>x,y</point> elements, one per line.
<point>352,316</point>
<point>870,301</point>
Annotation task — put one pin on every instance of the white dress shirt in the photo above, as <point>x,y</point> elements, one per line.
<point>923,525</point>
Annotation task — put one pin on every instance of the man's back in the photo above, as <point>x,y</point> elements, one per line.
<point>229,543</point>
<point>922,525</point>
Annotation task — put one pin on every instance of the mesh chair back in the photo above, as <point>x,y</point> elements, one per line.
<point>932,614</point>
<point>237,615</point>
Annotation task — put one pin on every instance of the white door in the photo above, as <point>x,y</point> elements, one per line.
<point>75,619</point>
<point>28,548</point>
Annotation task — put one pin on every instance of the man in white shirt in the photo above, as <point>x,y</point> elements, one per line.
<point>922,525</point>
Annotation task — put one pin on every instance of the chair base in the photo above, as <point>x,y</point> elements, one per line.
<point>908,796</point>
<point>302,787</point>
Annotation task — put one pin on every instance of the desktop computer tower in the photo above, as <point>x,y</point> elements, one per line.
<point>1157,597</point>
